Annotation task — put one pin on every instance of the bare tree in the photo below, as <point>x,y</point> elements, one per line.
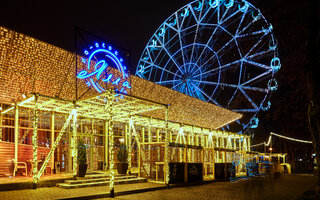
<point>313,84</point>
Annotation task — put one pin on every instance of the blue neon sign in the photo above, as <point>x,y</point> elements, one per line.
<point>100,57</point>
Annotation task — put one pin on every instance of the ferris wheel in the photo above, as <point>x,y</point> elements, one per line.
<point>223,52</point>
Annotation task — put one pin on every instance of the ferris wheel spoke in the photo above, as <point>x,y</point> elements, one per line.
<point>218,68</point>
<point>254,88</point>
<point>233,86</point>
<point>182,88</point>
<point>167,82</point>
<point>223,16</point>
<point>245,110</point>
<point>230,16</point>
<point>225,45</point>
<point>257,64</point>
<point>245,28</point>
<point>170,56</point>
<point>193,14</point>
<point>241,21</point>
<point>180,41</point>
<point>256,44</point>
<point>194,40</point>
<point>253,33</point>
<point>259,53</point>
<point>214,31</point>
<point>176,85</point>
<point>257,77</point>
<point>170,26</point>
<point>248,98</point>
<point>157,66</point>
<point>231,99</point>
<point>201,18</point>
<point>205,94</point>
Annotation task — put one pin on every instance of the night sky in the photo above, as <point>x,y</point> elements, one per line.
<point>130,24</point>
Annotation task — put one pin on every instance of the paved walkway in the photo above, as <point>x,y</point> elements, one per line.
<point>285,187</point>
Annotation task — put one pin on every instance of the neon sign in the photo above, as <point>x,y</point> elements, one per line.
<point>100,57</point>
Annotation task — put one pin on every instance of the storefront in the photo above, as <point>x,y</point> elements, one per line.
<point>43,100</point>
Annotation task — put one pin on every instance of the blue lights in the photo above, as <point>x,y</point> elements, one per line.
<point>243,8</point>
<point>198,8</point>
<point>220,51</point>
<point>230,4</point>
<point>267,107</point>
<point>254,123</point>
<point>275,64</point>
<point>98,61</point>
<point>213,4</point>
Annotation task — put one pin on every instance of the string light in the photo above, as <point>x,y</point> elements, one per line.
<point>293,139</point>
<point>183,109</point>
<point>35,143</point>
<point>281,136</point>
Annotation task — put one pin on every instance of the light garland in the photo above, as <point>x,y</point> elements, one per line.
<point>111,152</point>
<point>35,179</point>
<point>75,144</point>
<point>293,139</point>
<point>281,136</point>
<point>167,155</point>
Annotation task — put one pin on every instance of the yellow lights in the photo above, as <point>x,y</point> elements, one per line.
<point>35,143</point>
<point>293,139</point>
<point>111,153</point>
<point>26,101</point>
<point>270,149</point>
<point>52,73</point>
<point>49,70</point>
<point>55,144</point>
<point>7,110</point>
<point>281,136</point>
<point>75,143</point>
<point>181,137</point>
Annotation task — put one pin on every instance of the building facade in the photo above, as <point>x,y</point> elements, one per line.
<point>45,110</point>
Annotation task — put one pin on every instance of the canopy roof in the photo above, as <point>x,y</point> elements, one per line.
<point>30,66</point>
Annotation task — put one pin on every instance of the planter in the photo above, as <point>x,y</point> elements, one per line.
<point>122,168</point>
<point>82,170</point>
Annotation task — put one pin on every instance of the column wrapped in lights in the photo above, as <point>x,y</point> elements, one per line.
<point>167,155</point>
<point>129,148</point>
<point>106,141</point>
<point>75,143</point>
<point>35,144</point>
<point>149,146</point>
<point>111,153</point>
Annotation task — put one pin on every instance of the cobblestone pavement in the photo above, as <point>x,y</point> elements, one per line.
<point>285,187</point>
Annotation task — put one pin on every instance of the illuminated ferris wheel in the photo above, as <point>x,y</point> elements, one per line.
<point>223,52</point>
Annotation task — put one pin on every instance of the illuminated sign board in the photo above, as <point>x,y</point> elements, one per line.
<point>98,60</point>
